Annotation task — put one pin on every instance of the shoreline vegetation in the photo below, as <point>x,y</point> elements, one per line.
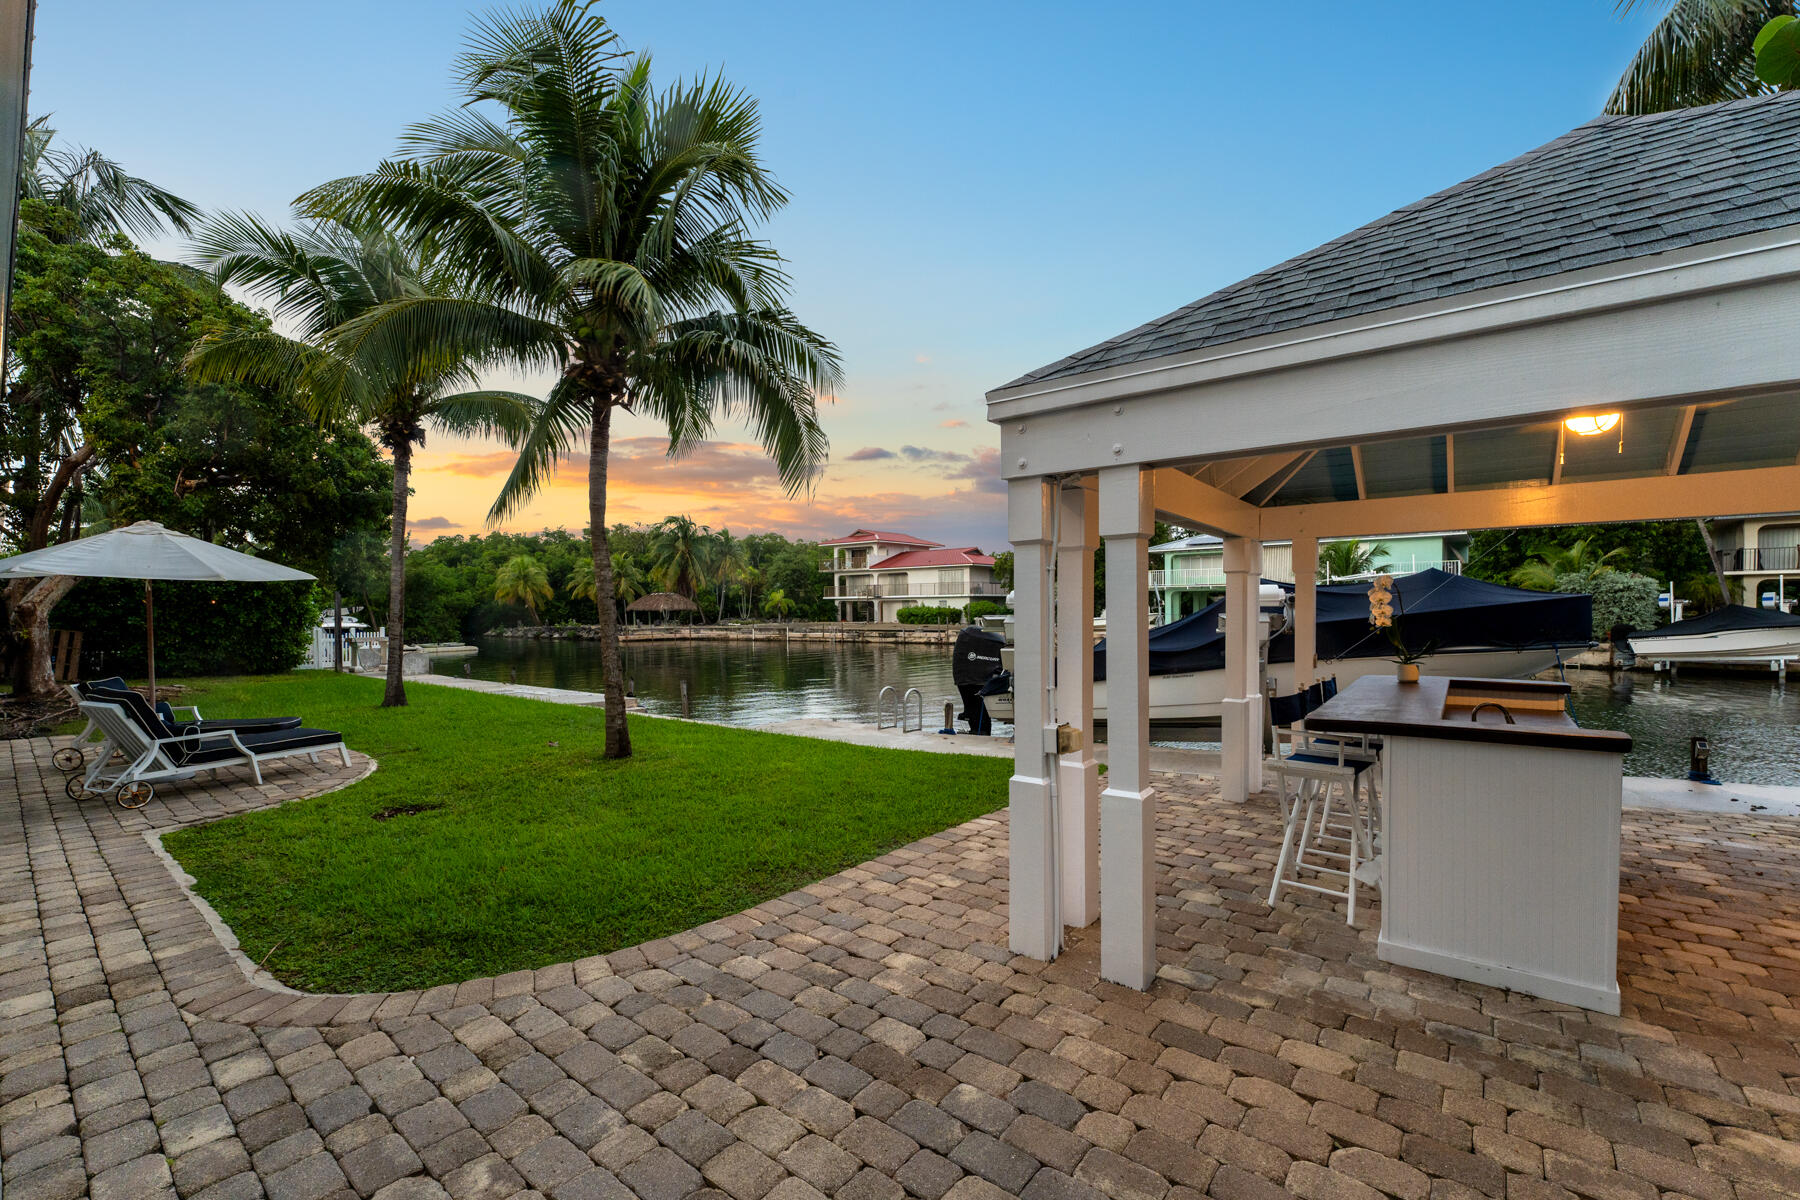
<point>532,848</point>
<point>796,631</point>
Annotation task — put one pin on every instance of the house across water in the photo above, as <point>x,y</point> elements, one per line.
<point>1192,574</point>
<point>875,574</point>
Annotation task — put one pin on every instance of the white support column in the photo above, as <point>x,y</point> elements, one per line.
<point>1306,611</point>
<point>1078,773</point>
<point>1240,771</point>
<point>1033,928</point>
<point>1127,806</point>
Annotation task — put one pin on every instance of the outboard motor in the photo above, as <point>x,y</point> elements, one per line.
<point>977,661</point>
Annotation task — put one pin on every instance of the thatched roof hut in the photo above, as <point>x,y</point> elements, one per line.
<point>663,604</point>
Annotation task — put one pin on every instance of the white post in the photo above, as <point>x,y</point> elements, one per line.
<point>1078,773</point>
<point>1240,770</point>
<point>1127,806</point>
<point>1306,611</point>
<point>1033,929</point>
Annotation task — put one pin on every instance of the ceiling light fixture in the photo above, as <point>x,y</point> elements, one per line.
<point>1592,424</point>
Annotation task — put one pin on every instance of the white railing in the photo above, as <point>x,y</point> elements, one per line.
<point>318,657</point>
<point>1202,577</point>
<point>872,591</point>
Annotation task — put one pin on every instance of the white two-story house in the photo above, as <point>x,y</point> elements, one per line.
<point>1761,555</point>
<point>875,574</point>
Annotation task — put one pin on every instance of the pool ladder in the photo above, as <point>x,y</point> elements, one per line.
<point>900,713</point>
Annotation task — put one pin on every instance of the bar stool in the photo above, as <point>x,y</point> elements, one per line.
<point>1330,809</point>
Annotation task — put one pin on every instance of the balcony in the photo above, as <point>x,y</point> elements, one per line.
<point>1765,558</point>
<point>895,591</point>
<point>1213,579</point>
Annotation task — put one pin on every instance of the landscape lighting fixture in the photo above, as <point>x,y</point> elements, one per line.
<point>1592,424</point>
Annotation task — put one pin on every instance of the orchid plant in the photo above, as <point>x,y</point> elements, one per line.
<point>1381,616</point>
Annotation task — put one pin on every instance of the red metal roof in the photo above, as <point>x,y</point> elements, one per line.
<point>876,535</point>
<point>965,556</point>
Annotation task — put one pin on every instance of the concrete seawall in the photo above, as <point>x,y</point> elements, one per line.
<point>848,631</point>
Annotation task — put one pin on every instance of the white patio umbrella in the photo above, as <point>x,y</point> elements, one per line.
<point>147,551</point>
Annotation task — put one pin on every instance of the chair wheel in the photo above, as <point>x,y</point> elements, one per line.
<point>75,789</point>
<point>68,759</point>
<point>135,795</point>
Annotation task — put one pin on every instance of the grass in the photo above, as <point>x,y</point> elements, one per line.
<point>541,851</point>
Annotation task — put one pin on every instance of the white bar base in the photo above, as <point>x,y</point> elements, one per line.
<point>1128,887</point>
<point>1603,998</point>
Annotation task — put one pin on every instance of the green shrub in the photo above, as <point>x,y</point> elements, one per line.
<point>929,614</point>
<point>1621,598</point>
<point>201,628</point>
<point>985,608</point>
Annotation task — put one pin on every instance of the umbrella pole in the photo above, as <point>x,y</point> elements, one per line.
<point>150,638</point>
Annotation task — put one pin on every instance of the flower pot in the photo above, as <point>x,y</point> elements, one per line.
<point>1406,672</point>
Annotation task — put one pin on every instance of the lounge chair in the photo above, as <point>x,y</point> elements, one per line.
<point>155,751</point>
<point>71,758</point>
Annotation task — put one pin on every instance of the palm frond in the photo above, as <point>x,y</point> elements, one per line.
<point>561,421</point>
<point>1701,52</point>
<point>509,416</point>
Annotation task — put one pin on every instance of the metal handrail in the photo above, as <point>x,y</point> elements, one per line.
<point>918,725</point>
<point>881,699</point>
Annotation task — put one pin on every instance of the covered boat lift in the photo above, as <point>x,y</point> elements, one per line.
<point>1597,331</point>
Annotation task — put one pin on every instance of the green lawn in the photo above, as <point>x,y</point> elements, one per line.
<point>541,851</point>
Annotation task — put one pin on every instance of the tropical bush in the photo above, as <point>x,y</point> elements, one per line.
<point>1621,599</point>
<point>929,614</point>
<point>985,608</point>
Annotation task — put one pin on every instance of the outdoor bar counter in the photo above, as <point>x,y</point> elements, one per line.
<point>1500,832</point>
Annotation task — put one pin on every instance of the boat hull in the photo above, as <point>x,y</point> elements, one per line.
<point>1731,645</point>
<point>1197,697</point>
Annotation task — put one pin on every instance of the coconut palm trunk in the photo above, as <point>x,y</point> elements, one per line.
<point>612,666</point>
<point>395,695</point>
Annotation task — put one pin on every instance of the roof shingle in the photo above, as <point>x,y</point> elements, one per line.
<point>1615,188</point>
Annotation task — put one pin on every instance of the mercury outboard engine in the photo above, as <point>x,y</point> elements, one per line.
<point>977,659</point>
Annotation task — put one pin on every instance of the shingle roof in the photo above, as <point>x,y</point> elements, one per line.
<point>878,535</point>
<point>961,556</point>
<point>1615,188</point>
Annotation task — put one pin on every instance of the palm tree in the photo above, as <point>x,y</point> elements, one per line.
<point>777,604</point>
<point>728,564</point>
<point>1549,564</point>
<point>606,226</point>
<point>1338,560</point>
<point>581,580</point>
<point>322,276</point>
<point>95,192</point>
<point>522,580</point>
<point>1701,52</point>
<point>682,554</point>
<point>751,578</point>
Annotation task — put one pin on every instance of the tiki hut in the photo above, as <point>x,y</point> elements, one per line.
<point>666,606</point>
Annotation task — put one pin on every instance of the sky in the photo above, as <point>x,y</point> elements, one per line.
<point>977,189</point>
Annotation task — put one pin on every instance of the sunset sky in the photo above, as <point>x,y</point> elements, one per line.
<point>978,188</point>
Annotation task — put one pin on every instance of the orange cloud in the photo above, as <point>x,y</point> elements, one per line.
<point>953,423</point>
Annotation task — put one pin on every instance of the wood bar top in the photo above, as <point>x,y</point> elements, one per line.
<point>1441,707</point>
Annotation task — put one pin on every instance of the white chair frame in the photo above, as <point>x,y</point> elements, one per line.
<point>1331,818</point>
<point>151,760</point>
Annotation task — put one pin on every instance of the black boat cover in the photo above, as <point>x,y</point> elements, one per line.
<point>977,656</point>
<point>1724,620</point>
<point>1432,608</point>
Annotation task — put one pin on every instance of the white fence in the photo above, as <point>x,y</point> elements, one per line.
<point>360,646</point>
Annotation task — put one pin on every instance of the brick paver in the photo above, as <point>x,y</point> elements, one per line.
<point>871,1036</point>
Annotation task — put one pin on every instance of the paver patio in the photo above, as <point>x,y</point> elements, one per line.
<point>871,1037</point>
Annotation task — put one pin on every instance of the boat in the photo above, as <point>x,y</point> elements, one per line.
<point>1732,634</point>
<point>1474,629</point>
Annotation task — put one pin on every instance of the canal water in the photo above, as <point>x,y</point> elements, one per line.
<point>1752,721</point>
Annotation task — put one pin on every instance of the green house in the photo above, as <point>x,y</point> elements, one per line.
<point>1192,574</point>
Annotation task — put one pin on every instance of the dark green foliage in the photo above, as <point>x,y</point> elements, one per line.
<point>1622,599</point>
<point>984,608</point>
<point>1663,550</point>
<point>929,614</point>
<point>543,851</point>
<point>201,628</point>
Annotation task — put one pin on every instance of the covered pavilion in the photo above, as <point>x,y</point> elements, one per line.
<point>1600,330</point>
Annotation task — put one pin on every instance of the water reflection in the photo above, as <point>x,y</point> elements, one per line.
<point>1753,721</point>
<point>736,682</point>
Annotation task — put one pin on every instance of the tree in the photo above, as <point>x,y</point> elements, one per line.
<point>776,604</point>
<point>679,550</point>
<point>93,194</point>
<point>1551,566</point>
<point>606,226</point>
<point>1339,560</point>
<point>321,275</point>
<point>728,564</point>
<point>1701,52</point>
<point>523,581</point>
